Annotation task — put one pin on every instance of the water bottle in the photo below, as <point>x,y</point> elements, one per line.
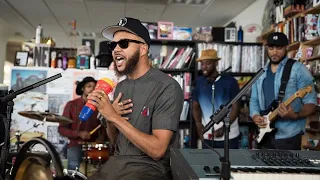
<point>38,34</point>
<point>240,34</point>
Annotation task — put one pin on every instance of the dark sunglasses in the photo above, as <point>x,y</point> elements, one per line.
<point>123,43</point>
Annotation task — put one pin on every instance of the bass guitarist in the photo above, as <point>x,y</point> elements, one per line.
<point>282,78</point>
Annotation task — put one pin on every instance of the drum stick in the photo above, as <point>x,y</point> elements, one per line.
<point>95,129</point>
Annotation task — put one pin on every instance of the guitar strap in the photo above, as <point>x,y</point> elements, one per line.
<point>285,78</point>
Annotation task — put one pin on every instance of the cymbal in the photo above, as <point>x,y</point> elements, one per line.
<point>44,116</point>
<point>34,168</point>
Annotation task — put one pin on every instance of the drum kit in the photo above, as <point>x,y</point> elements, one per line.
<point>30,164</point>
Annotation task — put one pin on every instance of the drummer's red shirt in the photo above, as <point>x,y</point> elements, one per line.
<point>71,131</point>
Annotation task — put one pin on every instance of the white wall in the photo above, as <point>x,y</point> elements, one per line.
<point>252,14</point>
<point>5,33</point>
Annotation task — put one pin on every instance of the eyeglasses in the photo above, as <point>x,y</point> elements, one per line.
<point>123,43</point>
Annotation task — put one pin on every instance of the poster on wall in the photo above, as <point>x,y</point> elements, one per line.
<point>21,78</point>
<point>28,128</point>
<point>59,142</point>
<point>33,100</point>
<point>57,103</point>
<point>61,85</point>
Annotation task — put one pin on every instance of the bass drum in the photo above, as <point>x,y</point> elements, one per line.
<point>29,166</point>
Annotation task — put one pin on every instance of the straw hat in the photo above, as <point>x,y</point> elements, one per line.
<point>209,54</point>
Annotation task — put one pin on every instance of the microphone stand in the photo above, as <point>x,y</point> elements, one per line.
<point>8,99</point>
<point>212,99</point>
<point>222,115</point>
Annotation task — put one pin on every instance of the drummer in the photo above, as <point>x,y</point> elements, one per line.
<point>79,131</point>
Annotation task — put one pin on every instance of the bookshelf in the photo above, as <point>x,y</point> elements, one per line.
<point>156,49</point>
<point>176,58</point>
<point>304,46</point>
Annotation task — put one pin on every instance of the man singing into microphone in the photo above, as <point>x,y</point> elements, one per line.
<point>225,89</point>
<point>79,131</point>
<point>144,136</point>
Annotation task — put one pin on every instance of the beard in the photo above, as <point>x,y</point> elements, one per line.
<point>131,64</point>
<point>276,62</point>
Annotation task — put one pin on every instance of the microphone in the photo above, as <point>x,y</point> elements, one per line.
<point>226,71</point>
<point>104,84</point>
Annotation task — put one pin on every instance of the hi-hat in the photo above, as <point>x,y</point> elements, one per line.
<point>44,116</point>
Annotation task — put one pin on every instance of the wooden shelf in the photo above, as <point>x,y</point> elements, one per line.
<point>317,57</point>
<point>315,41</point>
<point>313,10</point>
<point>293,46</point>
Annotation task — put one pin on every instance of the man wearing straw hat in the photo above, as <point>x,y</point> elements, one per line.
<point>206,101</point>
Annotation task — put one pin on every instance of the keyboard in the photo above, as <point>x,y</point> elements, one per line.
<point>246,164</point>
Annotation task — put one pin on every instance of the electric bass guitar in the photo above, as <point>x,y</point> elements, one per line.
<point>271,113</point>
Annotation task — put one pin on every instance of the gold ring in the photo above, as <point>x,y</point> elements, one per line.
<point>120,104</point>
<point>100,97</point>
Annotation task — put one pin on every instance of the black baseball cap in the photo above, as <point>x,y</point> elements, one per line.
<point>130,25</point>
<point>277,39</point>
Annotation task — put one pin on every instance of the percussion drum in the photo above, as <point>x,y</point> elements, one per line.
<point>96,152</point>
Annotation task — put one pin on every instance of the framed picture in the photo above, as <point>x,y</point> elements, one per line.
<point>90,43</point>
<point>165,30</point>
<point>230,34</point>
<point>21,58</point>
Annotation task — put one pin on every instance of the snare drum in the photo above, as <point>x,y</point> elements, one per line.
<point>96,152</point>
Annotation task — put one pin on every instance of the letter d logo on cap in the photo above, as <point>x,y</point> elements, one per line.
<point>122,22</point>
